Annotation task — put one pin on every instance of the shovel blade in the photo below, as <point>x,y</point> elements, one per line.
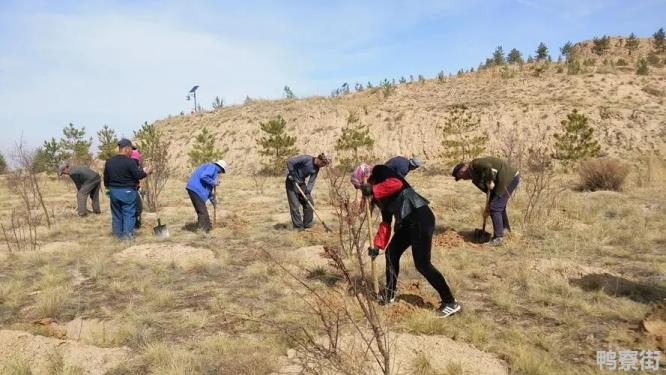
<point>161,231</point>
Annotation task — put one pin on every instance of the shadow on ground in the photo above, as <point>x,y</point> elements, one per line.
<point>620,287</point>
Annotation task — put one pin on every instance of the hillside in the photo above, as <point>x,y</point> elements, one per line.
<point>627,110</point>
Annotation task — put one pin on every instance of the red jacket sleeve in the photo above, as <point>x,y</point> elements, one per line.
<point>383,235</point>
<point>386,188</point>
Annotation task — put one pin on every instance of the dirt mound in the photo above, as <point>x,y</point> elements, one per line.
<point>451,238</point>
<point>310,257</point>
<point>654,324</point>
<point>565,270</point>
<point>47,355</point>
<point>167,253</point>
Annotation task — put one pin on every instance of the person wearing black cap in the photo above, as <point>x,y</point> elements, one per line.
<point>200,188</point>
<point>87,184</point>
<point>401,165</point>
<point>121,177</point>
<point>501,179</point>
<point>414,226</point>
<point>298,169</point>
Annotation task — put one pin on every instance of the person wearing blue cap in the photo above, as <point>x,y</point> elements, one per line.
<point>401,165</point>
<point>121,177</point>
<point>498,178</point>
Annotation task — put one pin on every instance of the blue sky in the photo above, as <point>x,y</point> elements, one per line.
<point>125,62</point>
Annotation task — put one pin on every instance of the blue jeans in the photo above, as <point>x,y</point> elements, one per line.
<point>123,211</point>
<point>497,208</point>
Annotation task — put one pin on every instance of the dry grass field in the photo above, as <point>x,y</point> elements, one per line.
<point>579,280</point>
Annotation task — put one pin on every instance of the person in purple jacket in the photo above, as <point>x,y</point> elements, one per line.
<point>200,189</point>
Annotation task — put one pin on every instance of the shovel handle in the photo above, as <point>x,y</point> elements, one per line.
<point>312,207</point>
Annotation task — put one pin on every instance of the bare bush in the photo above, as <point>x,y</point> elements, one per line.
<point>602,174</point>
<point>539,185</point>
<point>155,149</point>
<point>513,148</point>
<point>21,231</point>
<point>259,182</point>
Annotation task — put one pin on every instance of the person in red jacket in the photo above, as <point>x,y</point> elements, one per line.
<point>415,226</point>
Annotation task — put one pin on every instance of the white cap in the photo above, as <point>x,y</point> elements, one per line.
<point>222,164</point>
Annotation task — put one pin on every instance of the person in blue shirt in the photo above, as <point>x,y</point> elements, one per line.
<point>401,165</point>
<point>200,189</point>
<point>298,169</point>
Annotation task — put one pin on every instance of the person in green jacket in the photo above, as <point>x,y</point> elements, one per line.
<point>87,184</point>
<point>501,179</point>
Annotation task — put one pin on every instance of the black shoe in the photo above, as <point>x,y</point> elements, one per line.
<point>384,299</point>
<point>447,309</point>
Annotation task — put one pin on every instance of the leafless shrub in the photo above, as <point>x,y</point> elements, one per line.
<point>539,184</point>
<point>155,149</point>
<point>602,174</point>
<point>24,181</point>
<point>21,231</point>
<point>513,148</point>
<point>259,182</point>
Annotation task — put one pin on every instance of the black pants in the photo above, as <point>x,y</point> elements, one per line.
<point>139,211</point>
<point>416,230</point>
<point>497,208</point>
<point>203,220</point>
<point>296,202</point>
<point>90,190</point>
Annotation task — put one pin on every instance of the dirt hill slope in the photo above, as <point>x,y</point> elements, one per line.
<point>628,111</point>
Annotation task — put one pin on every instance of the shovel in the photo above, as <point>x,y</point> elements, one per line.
<point>160,230</point>
<point>214,207</point>
<point>481,234</point>
<point>313,209</point>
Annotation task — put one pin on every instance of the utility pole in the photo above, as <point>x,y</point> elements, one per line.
<point>193,93</point>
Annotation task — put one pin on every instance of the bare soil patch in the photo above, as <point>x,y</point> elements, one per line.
<point>182,256</point>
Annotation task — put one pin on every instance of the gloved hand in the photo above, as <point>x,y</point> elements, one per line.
<point>302,186</point>
<point>213,201</point>
<point>291,177</point>
<point>491,185</point>
<point>307,191</point>
<point>366,190</point>
<point>373,251</point>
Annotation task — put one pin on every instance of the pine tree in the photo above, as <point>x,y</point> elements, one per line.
<point>642,67</point>
<point>355,136</point>
<point>75,145</point>
<point>204,150</point>
<point>566,50</point>
<point>462,137</point>
<point>498,56</point>
<point>218,103</point>
<point>49,156</point>
<point>577,141</point>
<point>658,41</point>
<point>276,144</point>
<point>3,164</point>
<point>600,45</point>
<point>108,142</point>
<point>515,57</point>
<point>541,52</point>
<point>632,43</point>
<point>288,93</point>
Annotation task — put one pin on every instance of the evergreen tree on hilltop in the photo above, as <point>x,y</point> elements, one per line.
<point>204,150</point>
<point>276,144</point>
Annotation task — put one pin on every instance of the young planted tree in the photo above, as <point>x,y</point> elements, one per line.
<point>3,164</point>
<point>108,143</point>
<point>498,56</point>
<point>155,150</point>
<point>566,50</point>
<point>48,157</point>
<point>355,137</point>
<point>658,41</point>
<point>462,137</point>
<point>204,150</point>
<point>600,45</point>
<point>576,141</point>
<point>632,43</point>
<point>642,68</point>
<point>75,145</point>
<point>288,93</point>
<point>276,144</point>
<point>541,52</point>
<point>218,103</point>
<point>515,57</point>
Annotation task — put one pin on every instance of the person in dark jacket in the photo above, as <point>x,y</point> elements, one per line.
<point>298,169</point>
<point>87,184</point>
<point>414,226</point>
<point>200,189</point>
<point>501,178</point>
<point>402,166</point>
<point>121,177</point>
